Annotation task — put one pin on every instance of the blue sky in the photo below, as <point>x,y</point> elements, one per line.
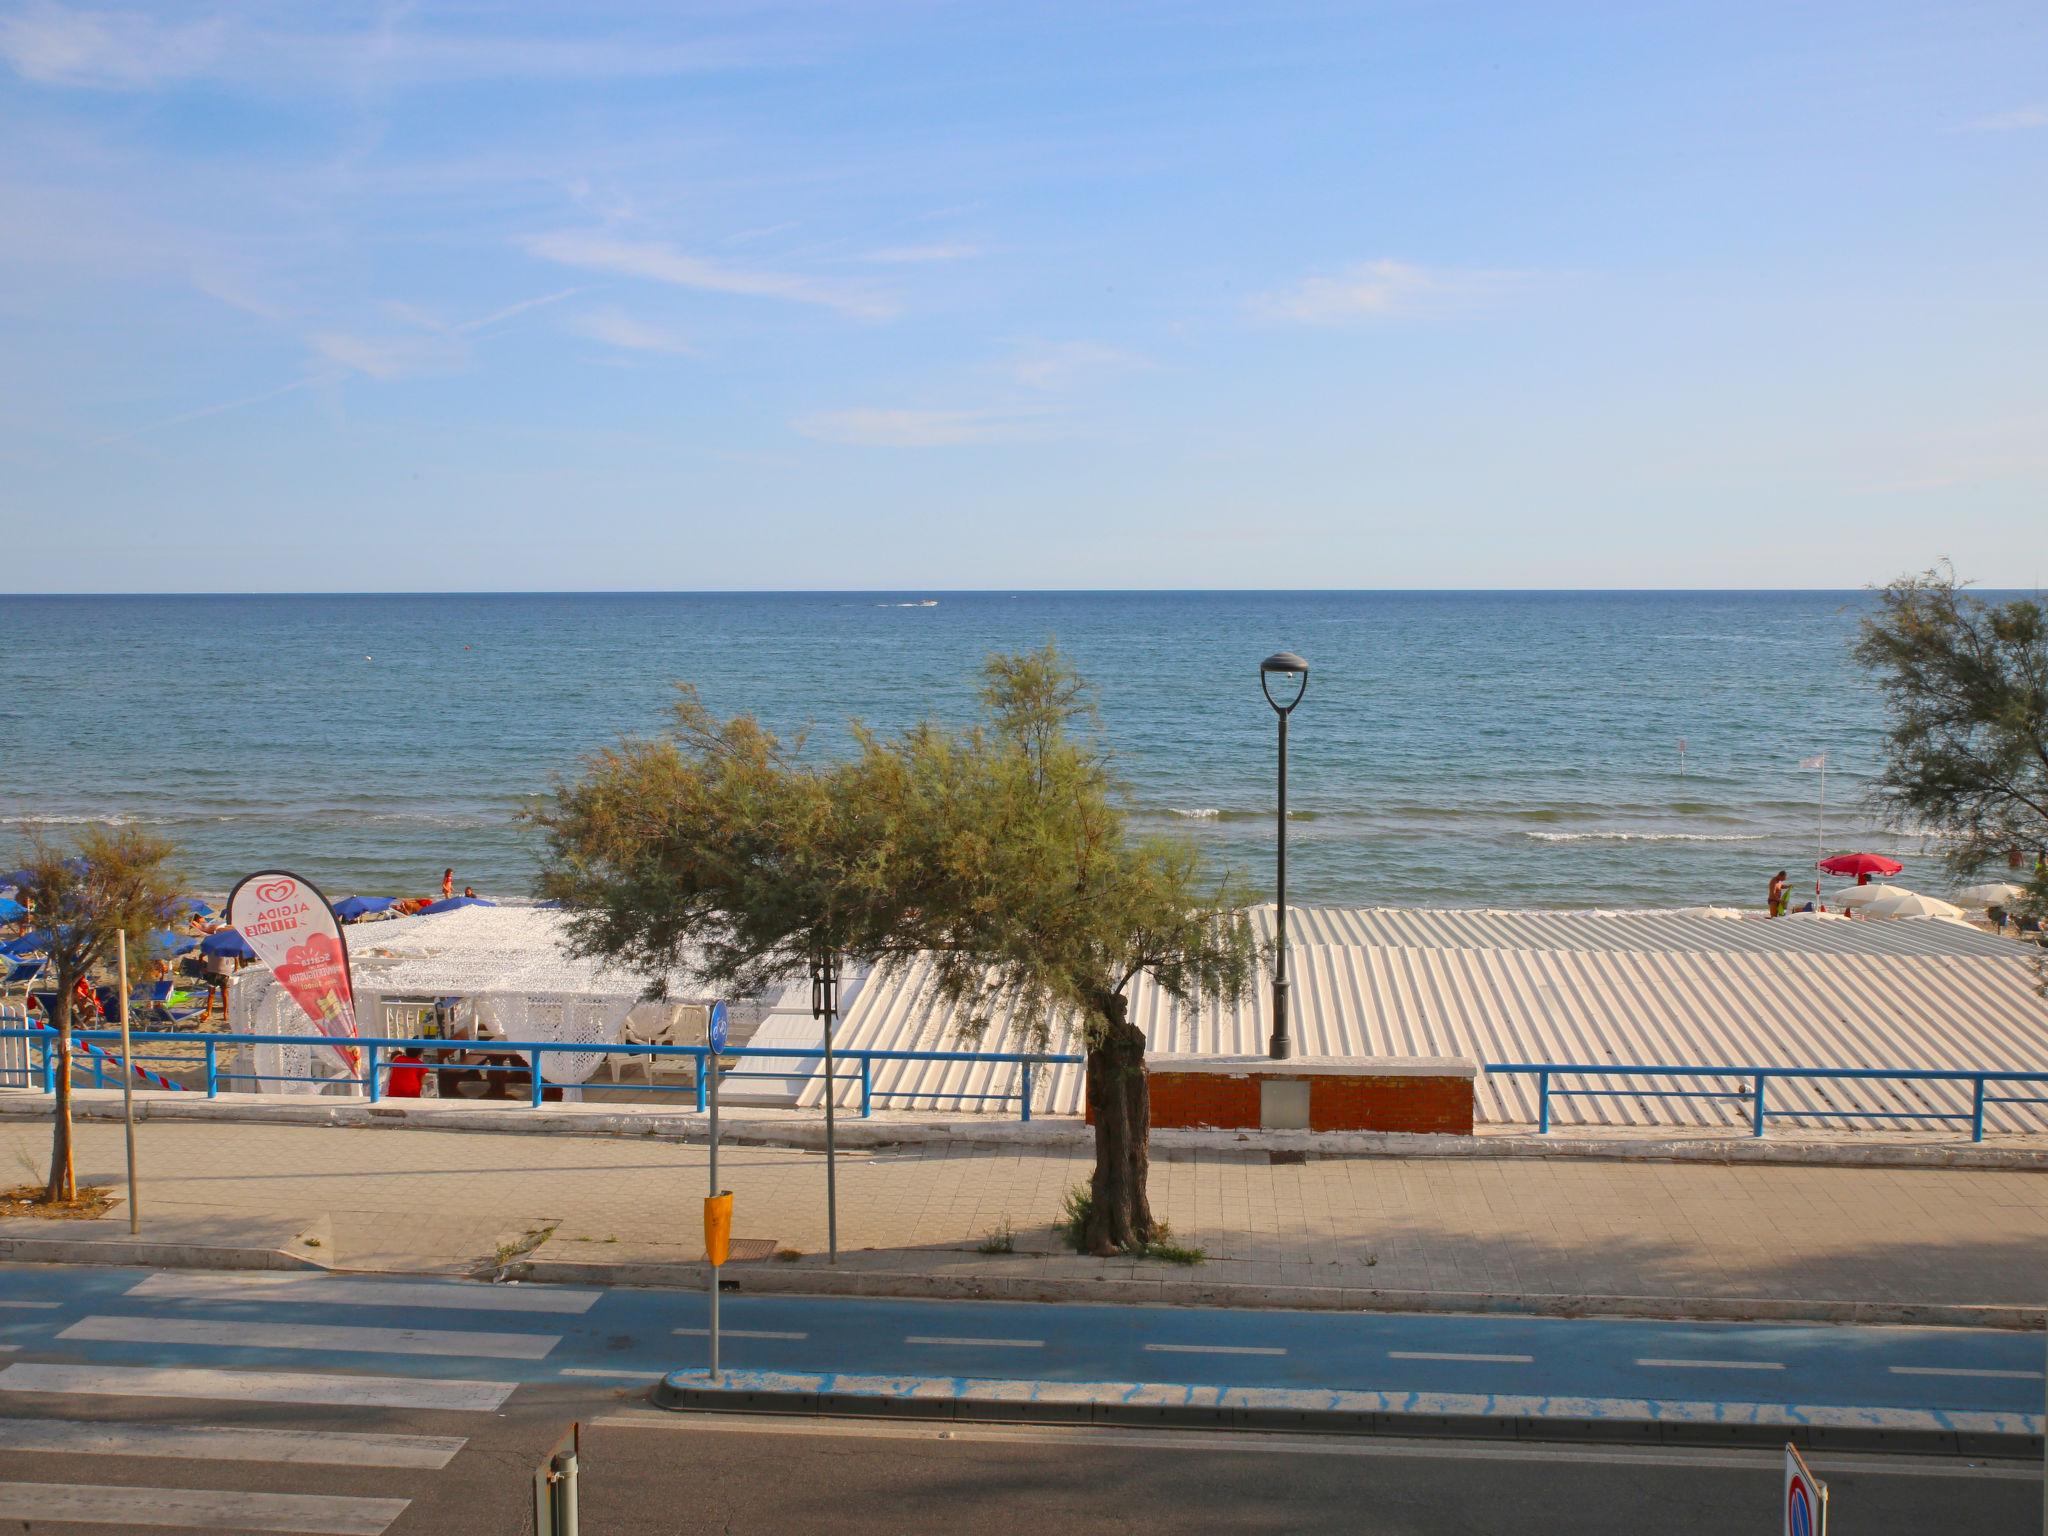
<point>928,295</point>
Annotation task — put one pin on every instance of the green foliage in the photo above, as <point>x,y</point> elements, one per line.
<point>113,880</point>
<point>110,880</point>
<point>1002,1238</point>
<point>1077,1209</point>
<point>1002,852</point>
<point>1966,683</point>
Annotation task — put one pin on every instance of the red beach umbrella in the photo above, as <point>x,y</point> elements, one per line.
<point>1861,865</point>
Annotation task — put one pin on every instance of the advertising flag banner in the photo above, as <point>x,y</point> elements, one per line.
<point>293,931</point>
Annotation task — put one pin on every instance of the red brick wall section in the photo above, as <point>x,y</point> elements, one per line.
<point>1186,1100</point>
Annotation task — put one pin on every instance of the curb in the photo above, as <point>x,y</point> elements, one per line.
<point>855,1134</point>
<point>144,1254</point>
<point>761,1279</point>
<point>1323,1411</point>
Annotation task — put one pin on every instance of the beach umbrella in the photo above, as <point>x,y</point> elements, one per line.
<point>27,944</point>
<point>1861,865</point>
<point>452,903</point>
<point>191,906</point>
<point>1993,893</point>
<point>1900,902</point>
<point>17,878</point>
<point>227,942</point>
<point>11,911</point>
<point>1852,896</point>
<point>172,942</point>
<point>352,907</point>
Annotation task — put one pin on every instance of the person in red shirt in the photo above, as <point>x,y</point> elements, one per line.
<point>447,884</point>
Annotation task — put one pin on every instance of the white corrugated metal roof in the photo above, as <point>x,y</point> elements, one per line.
<point>1638,989</point>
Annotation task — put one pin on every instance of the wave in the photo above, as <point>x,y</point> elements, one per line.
<point>103,819</point>
<point>1649,837</point>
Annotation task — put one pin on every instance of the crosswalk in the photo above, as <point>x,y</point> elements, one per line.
<point>162,1406</point>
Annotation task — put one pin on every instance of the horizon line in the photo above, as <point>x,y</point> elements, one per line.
<point>471,592</point>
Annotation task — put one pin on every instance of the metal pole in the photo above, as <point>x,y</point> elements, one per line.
<point>825,1003</point>
<point>127,1082</point>
<point>1279,1047</point>
<point>1820,831</point>
<point>711,1064</point>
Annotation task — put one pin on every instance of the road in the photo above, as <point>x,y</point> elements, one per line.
<point>190,1400</point>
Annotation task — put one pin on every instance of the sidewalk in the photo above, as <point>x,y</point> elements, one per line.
<point>1647,1238</point>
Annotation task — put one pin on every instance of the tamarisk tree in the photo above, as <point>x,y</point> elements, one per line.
<point>1966,683</point>
<point>1001,854</point>
<point>113,880</point>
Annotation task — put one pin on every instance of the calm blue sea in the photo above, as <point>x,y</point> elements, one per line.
<point>1467,748</point>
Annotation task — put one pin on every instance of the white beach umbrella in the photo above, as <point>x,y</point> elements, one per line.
<point>1900,902</point>
<point>1851,897</point>
<point>1993,893</point>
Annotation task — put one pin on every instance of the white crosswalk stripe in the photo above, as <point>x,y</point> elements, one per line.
<point>310,1335</point>
<point>125,1507</point>
<point>298,1387</point>
<point>199,1509</point>
<point>344,1290</point>
<point>229,1442</point>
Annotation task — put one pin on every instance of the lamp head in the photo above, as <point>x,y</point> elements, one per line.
<point>1288,667</point>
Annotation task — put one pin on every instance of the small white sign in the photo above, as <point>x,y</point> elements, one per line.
<point>1806,1497</point>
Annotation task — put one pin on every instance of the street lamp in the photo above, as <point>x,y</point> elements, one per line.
<point>1289,667</point>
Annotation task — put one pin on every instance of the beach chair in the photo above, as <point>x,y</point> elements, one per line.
<point>654,1024</point>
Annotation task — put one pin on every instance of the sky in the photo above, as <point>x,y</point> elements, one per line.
<point>924,295</point>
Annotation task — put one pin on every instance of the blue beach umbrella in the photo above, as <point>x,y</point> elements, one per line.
<point>171,942</point>
<point>191,906</point>
<point>350,908</point>
<point>227,942</point>
<point>15,879</point>
<point>27,944</point>
<point>11,910</point>
<point>452,903</point>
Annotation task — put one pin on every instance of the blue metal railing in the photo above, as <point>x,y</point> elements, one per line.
<point>465,1056</point>
<point>1756,1090</point>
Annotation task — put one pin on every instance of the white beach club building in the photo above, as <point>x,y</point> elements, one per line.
<point>1606,989</point>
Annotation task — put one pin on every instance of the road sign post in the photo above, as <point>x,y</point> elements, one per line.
<point>717,1202</point>
<point>1806,1497</point>
<point>554,1487</point>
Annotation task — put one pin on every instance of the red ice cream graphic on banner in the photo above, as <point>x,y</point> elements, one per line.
<point>293,930</point>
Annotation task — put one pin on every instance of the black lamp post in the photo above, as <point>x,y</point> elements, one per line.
<point>1289,667</point>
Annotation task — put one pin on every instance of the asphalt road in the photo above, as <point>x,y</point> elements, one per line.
<point>185,1400</point>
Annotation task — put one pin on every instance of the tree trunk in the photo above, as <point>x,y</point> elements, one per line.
<point>1119,1214</point>
<point>63,1185</point>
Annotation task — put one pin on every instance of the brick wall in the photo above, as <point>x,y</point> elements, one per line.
<point>1336,1102</point>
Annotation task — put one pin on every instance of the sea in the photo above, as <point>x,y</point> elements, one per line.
<point>1484,749</point>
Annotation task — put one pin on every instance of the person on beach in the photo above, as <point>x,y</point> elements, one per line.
<point>447,883</point>
<point>469,891</point>
<point>218,969</point>
<point>1778,895</point>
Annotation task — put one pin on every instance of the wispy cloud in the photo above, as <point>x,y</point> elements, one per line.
<point>874,428</point>
<point>2009,122</point>
<point>108,50</point>
<point>655,262</point>
<point>1060,364</point>
<point>126,49</point>
<point>1378,290</point>
<point>615,328</point>
<point>913,255</point>
<point>391,357</point>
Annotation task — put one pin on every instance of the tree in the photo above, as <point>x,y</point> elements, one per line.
<point>1002,853</point>
<point>113,880</point>
<point>1966,683</point>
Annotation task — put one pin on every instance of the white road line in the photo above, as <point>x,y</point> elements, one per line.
<point>1432,1354</point>
<point>40,1306</point>
<point>1213,1349</point>
<point>259,1386</point>
<point>200,1509</point>
<point>228,1442</point>
<point>652,1373</point>
<point>1718,1365</point>
<point>457,1296</point>
<point>296,1335</point>
<point>737,1333</point>
<point>1957,1370</point>
<point>921,1338</point>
